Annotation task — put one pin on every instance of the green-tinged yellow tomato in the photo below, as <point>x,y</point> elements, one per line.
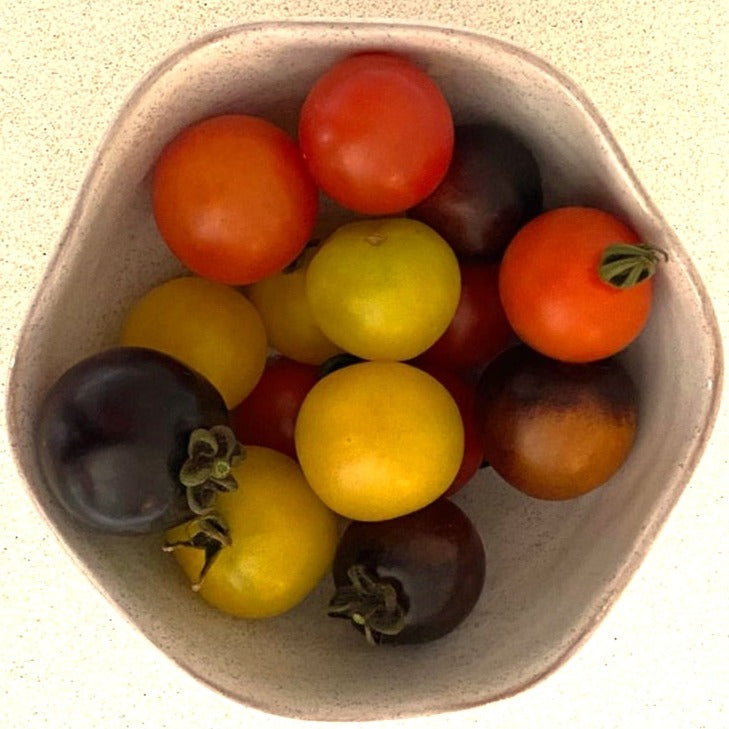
<point>377,440</point>
<point>291,329</point>
<point>207,326</point>
<point>282,539</point>
<point>384,289</point>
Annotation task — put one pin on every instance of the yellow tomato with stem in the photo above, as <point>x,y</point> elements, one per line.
<point>377,440</point>
<point>384,289</point>
<point>208,326</point>
<point>282,539</point>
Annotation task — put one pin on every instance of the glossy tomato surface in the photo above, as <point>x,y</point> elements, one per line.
<point>552,293</point>
<point>233,199</point>
<point>112,436</point>
<point>377,133</point>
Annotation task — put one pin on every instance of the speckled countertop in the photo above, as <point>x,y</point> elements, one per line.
<point>659,74</point>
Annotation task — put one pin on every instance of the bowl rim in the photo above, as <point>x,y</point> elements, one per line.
<point>662,506</point>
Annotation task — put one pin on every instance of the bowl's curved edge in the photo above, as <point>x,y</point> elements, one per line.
<point>650,529</point>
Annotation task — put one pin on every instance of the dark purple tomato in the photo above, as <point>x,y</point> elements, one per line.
<point>412,579</point>
<point>113,434</point>
<point>492,188</point>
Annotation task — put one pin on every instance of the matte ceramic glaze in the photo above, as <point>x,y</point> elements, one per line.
<point>553,568</point>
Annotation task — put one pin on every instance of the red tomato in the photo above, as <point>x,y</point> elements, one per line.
<point>233,199</point>
<point>464,393</point>
<point>479,329</point>
<point>377,133</point>
<point>552,291</point>
<point>268,415</point>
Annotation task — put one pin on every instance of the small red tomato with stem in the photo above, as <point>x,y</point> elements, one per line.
<point>267,417</point>
<point>377,133</point>
<point>576,284</point>
<point>479,329</point>
<point>233,199</point>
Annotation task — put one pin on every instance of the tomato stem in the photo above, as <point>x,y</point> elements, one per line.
<point>212,453</point>
<point>623,265</point>
<point>371,604</point>
<point>208,533</point>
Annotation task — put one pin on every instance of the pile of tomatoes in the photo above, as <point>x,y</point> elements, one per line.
<point>294,407</point>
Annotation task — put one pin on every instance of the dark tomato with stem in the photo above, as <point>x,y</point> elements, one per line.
<point>377,133</point>
<point>479,329</point>
<point>464,393</point>
<point>267,417</point>
<point>412,579</point>
<point>120,431</point>
<point>493,186</point>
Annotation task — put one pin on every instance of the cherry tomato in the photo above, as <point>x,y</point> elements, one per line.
<point>282,540</point>
<point>208,326</point>
<point>493,186</point>
<point>267,417</point>
<point>281,301</point>
<point>555,430</point>
<point>377,133</point>
<point>379,439</point>
<point>112,437</point>
<point>479,329</point>
<point>383,289</point>
<point>412,579</point>
<point>554,288</point>
<point>233,199</point>
<point>464,393</point>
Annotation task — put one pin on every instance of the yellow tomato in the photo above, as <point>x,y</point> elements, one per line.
<point>291,329</point>
<point>282,540</point>
<point>206,325</point>
<point>378,440</point>
<point>384,289</point>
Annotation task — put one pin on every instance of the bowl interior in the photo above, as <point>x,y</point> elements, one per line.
<point>553,568</point>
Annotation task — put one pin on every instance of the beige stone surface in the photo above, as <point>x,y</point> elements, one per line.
<point>658,73</point>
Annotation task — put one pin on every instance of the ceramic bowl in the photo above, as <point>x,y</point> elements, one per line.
<point>553,568</point>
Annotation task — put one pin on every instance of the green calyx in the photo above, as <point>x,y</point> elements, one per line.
<point>208,469</point>
<point>208,533</point>
<point>623,265</point>
<point>211,455</point>
<point>369,603</point>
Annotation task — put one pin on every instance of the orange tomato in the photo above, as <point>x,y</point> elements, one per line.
<point>551,287</point>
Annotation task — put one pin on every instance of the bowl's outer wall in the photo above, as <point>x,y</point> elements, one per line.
<point>553,568</point>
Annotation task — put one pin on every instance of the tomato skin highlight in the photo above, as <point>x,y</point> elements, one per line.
<point>377,133</point>
<point>552,293</point>
<point>233,199</point>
